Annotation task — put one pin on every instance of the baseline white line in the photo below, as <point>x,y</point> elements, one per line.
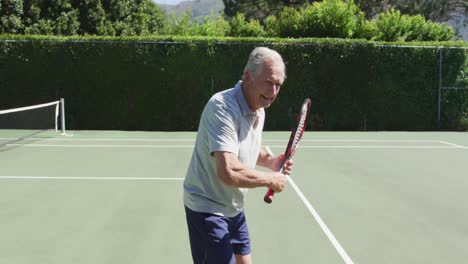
<point>360,140</point>
<point>88,178</point>
<point>101,139</point>
<point>99,146</point>
<point>319,220</point>
<point>452,144</point>
<point>383,147</point>
<point>193,140</point>
<point>191,146</point>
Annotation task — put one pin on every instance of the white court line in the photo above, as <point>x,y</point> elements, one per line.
<point>454,145</point>
<point>88,178</point>
<point>99,146</point>
<point>363,140</point>
<point>193,140</point>
<point>319,220</point>
<point>101,139</point>
<point>382,146</point>
<point>191,146</point>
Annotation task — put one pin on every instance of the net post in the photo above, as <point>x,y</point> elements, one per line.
<point>62,115</point>
<point>440,89</point>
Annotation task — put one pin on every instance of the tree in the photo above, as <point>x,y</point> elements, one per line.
<point>11,12</point>
<point>263,8</point>
<point>242,28</point>
<point>147,18</point>
<point>93,18</point>
<point>330,18</point>
<point>134,17</point>
<point>259,9</point>
<point>430,9</point>
<point>51,18</point>
<point>214,25</point>
<point>372,7</point>
<point>85,17</point>
<point>394,26</point>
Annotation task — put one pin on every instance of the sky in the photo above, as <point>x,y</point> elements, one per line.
<point>167,2</point>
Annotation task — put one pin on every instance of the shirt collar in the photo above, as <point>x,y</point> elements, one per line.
<point>246,111</point>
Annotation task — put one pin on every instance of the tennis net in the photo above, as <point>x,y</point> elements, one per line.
<point>24,122</point>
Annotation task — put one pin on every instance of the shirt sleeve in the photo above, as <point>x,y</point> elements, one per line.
<point>222,128</point>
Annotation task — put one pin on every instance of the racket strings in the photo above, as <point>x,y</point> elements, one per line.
<point>300,129</point>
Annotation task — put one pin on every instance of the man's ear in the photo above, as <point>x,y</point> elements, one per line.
<point>247,77</point>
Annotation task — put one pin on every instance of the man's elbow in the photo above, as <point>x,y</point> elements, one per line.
<point>226,168</point>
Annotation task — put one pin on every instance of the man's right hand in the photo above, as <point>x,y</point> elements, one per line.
<point>278,181</point>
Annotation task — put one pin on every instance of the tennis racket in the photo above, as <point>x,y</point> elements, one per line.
<point>293,143</point>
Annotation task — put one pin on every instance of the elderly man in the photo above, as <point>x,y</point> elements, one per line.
<point>222,168</point>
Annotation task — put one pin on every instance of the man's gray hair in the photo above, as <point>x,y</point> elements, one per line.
<point>260,55</point>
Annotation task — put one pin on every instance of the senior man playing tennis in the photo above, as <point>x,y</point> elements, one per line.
<point>222,168</point>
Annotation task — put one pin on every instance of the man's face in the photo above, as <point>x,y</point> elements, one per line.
<point>261,90</point>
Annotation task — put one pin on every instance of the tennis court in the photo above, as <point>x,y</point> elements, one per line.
<point>116,197</point>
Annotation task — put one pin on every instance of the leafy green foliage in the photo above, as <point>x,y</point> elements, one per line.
<point>259,9</point>
<point>288,24</point>
<point>328,18</point>
<point>366,29</point>
<point>343,19</point>
<point>52,18</point>
<point>242,28</point>
<point>93,18</point>
<point>181,27</point>
<point>11,12</point>
<point>393,26</point>
<point>331,18</point>
<point>85,17</point>
<point>214,25</point>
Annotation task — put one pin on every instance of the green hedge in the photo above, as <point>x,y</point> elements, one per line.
<point>163,83</point>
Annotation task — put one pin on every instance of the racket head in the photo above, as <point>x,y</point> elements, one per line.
<point>299,129</point>
<point>293,143</point>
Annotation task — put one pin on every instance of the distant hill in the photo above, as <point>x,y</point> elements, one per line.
<point>200,8</point>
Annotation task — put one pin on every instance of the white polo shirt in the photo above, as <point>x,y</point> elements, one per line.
<point>227,124</point>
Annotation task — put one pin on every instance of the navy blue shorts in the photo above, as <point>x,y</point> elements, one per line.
<point>215,239</point>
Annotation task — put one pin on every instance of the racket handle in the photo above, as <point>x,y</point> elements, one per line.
<point>268,198</point>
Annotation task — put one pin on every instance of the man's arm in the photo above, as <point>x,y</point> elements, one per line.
<point>233,173</point>
<point>266,160</point>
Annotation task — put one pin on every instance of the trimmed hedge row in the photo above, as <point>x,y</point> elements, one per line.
<point>163,84</point>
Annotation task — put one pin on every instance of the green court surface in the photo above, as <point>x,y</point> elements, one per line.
<point>116,197</point>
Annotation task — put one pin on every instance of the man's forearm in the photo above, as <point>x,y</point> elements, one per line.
<point>265,159</point>
<point>232,172</point>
